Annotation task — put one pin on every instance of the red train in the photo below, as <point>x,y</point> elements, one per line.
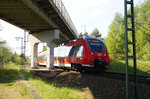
<point>81,54</point>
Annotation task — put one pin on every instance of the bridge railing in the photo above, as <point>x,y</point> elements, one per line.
<point>59,4</point>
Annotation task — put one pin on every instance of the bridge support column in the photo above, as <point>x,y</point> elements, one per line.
<point>50,55</point>
<point>48,37</point>
<point>34,51</point>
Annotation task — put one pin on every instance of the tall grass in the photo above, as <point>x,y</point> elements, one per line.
<point>48,89</point>
<point>10,86</point>
<point>143,67</point>
<point>8,74</point>
<point>52,90</point>
<point>24,91</point>
<point>117,66</point>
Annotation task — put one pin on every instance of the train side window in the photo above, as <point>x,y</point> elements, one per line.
<point>80,51</point>
<point>76,50</point>
<point>72,51</point>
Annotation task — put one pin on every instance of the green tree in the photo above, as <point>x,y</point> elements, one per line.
<point>96,33</point>
<point>142,27</point>
<point>80,35</point>
<point>5,53</point>
<point>16,59</point>
<point>85,34</point>
<point>44,48</point>
<point>115,40</point>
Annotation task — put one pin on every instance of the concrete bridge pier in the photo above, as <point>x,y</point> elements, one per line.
<point>50,55</point>
<point>48,37</point>
<point>34,50</point>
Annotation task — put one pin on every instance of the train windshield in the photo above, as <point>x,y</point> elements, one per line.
<point>96,45</point>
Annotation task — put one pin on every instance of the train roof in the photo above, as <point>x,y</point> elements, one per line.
<point>85,38</point>
<point>89,37</point>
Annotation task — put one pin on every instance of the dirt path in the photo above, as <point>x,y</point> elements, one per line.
<point>35,94</point>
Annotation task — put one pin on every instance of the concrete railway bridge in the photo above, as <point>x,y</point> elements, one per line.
<point>45,20</point>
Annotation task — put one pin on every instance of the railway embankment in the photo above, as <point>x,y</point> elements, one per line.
<point>13,88</point>
<point>100,87</point>
<point>11,85</point>
<point>60,84</point>
<point>103,85</point>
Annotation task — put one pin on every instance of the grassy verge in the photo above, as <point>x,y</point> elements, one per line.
<point>15,90</point>
<point>48,89</point>
<point>10,86</point>
<point>143,67</point>
<point>8,74</point>
<point>53,90</point>
<point>24,91</point>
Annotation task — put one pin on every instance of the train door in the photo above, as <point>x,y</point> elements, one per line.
<point>76,53</point>
<point>73,53</point>
<point>79,55</point>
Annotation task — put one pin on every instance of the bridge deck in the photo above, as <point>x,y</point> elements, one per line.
<point>38,16</point>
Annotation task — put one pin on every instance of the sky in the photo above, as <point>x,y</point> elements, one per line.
<point>89,14</point>
<point>85,14</point>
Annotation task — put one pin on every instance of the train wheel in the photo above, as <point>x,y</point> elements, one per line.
<point>80,68</point>
<point>66,69</point>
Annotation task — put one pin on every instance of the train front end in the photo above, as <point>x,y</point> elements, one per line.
<point>98,56</point>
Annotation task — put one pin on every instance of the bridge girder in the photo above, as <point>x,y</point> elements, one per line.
<point>37,16</point>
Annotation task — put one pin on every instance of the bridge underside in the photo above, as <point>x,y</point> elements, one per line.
<point>36,16</point>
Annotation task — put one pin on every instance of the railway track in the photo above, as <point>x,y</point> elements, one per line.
<point>111,75</point>
<point>121,76</point>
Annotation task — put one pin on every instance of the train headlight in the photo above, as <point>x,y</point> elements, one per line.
<point>81,58</point>
<point>99,54</point>
<point>92,53</point>
<point>105,54</point>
